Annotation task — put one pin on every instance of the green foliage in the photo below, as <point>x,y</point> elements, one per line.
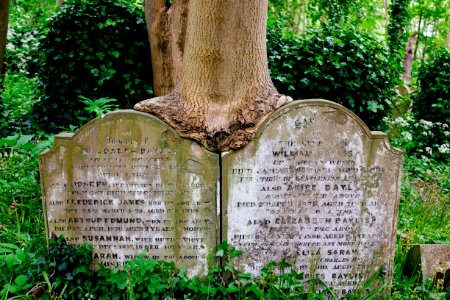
<point>69,266</point>
<point>19,95</point>
<point>96,49</point>
<point>21,89</point>
<point>37,11</point>
<point>144,278</point>
<point>17,266</point>
<point>431,20</point>
<point>423,219</point>
<point>20,203</point>
<point>337,63</point>
<point>60,271</point>
<point>99,107</point>
<point>338,11</point>
<point>399,21</point>
<point>22,49</point>
<point>420,138</point>
<point>424,203</point>
<point>432,100</point>
<point>21,215</point>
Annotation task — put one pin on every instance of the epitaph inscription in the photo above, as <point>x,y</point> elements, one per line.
<point>127,183</point>
<point>317,188</point>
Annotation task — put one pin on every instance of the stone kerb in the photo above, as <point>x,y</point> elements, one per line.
<point>127,183</point>
<point>315,187</point>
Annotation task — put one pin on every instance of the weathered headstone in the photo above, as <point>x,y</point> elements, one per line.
<point>127,183</point>
<point>315,187</point>
<point>430,260</point>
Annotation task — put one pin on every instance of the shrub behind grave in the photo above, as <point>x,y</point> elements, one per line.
<point>336,63</point>
<point>432,101</point>
<point>95,49</point>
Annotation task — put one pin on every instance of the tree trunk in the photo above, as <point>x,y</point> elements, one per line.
<point>224,90</point>
<point>386,14</point>
<point>60,3</point>
<point>166,27</point>
<point>409,58</point>
<point>4,15</point>
<point>418,32</point>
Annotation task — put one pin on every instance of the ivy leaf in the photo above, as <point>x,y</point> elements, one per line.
<point>220,253</point>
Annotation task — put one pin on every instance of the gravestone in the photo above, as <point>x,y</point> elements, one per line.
<point>127,183</point>
<point>317,188</point>
<point>430,260</point>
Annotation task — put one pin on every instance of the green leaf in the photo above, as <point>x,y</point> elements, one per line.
<point>9,141</point>
<point>8,247</point>
<point>95,72</point>
<point>220,253</point>
<point>41,146</point>
<point>234,253</point>
<point>21,280</point>
<point>21,255</point>
<point>100,55</point>
<point>116,54</point>
<point>12,260</point>
<point>24,139</point>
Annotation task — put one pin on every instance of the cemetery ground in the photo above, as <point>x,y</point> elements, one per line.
<point>28,268</point>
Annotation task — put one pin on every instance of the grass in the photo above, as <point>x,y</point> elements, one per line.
<point>424,204</point>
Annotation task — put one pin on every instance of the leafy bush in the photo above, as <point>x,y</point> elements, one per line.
<point>95,49</point>
<point>22,49</point>
<point>397,34</point>
<point>20,92</point>
<point>432,101</point>
<point>60,271</point>
<point>21,88</point>
<point>21,213</point>
<point>420,138</point>
<point>337,63</point>
<point>63,272</point>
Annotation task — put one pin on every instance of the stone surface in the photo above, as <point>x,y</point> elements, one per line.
<point>315,187</point>
<point>127,183</point>
<point>429,260</point>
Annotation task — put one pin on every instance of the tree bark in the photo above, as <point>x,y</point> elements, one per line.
<point>386,14</point>
<point>409,58</point>
<point>224,90</point>
<point>166,27</point>
<point>4,16</point>
<point>418,32</point>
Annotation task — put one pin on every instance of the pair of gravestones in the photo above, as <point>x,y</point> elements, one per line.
<point>315,187</point>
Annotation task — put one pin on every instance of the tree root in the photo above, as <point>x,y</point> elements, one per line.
<point>217,127</point>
